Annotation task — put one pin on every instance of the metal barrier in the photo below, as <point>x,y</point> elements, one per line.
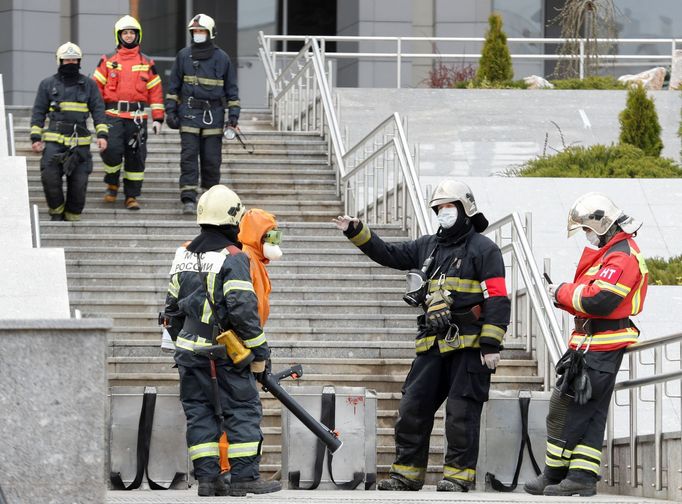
<point>634,386</point>
<point>399,54</point>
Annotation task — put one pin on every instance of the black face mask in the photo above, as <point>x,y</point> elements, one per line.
<point>69,70</point>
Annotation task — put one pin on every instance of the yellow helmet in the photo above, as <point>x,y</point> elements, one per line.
<point>69,51</point>
<point>597,212</point>
<point>203,22</point>
<point>127,23</point>
<point>219,206</point>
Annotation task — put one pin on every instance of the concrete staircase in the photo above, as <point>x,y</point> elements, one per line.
<point>332,309</point>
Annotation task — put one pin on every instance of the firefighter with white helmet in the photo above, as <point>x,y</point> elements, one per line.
<point>609,287</point>
<point>457,277</point>
<point>66,99</point>
<point>211,288</point>
<point>131,89</point>
<point>203,83</point>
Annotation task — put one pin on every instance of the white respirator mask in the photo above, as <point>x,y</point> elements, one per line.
<point>447,217</point>
<point>199,38</point>
<point>592,237</point>
<point>272,252</point>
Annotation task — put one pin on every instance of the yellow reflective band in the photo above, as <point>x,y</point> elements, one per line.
<point>204,450</point>
<point>70,216</point>
<point>409,472</point>
<point>643,269</point>
<point>255,342</point>
<point>73,106</point>
<point>210,282</point>
<point>423,344</point>
<point>102,128</point>
<point>204,81</point>
<point>111,65</point>
<point>588,451</point>
<point>154,82</point>
<point>100,78</point>
<point>190,129</point>
<point>593,270</point>
<point>191,345</point>
<point>174,286</point>
<point>233,103</point>
<point>585,465</point>
<point>211,131</point>
<point>493,332</point>
<point>456,284</point>
<point>237,450</point>
<point>51,136</point>
<point>619,289</point>
<point>362,237</point>
<point>460,474</point>
<point>637,298</point>
<point>112,169</point>
<point>36,130</point>
<point>232,285</point>
<point>173,97</point>
<point>465,341</point>
<point>133,175</point>
<point>206,312</point>
<point>140,68</point>
<point>158,106</point>
<point>629,334</point>
<point>188,188</point>
<point>576,300</point>
<point>57,211</point>
<point>558,451</point>
<point>552,462</point>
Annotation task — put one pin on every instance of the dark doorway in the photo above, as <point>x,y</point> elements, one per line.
<point>307,17</point>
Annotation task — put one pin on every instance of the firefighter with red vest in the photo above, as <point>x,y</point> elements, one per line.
<point>609,287</point>
<point>129,85</point>
<point>457,277</point>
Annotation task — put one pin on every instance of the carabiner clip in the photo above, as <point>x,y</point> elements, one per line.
<point>137,117</point>
<point>210,115</point>
<point>74,135</point>
<point>441,279</point>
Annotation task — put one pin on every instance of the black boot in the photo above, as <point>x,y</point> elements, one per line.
<point>448,485</point>
<point>569,487</point>
<point>396,485</point>
<point>209,487</point>
<point>258,486</point>
<point>537,486</point>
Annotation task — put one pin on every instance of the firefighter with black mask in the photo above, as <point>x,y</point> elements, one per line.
<point>457,277</point>
<point>203,83</point>
<point>211,291</point>
<point>609,287</point>
<point>130,87</point>
<point>66,98</point>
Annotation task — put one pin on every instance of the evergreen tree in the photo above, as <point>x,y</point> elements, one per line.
<point>495,64</point>
<point>639,124</point>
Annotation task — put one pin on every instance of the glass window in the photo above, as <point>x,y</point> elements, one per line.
<point>254,16</point>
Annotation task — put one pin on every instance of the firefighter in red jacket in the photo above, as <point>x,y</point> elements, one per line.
<point>609,287</point>
<point>129,84</point>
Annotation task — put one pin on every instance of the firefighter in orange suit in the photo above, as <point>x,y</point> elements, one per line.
<point>609,287</point>
<point>129,85</point>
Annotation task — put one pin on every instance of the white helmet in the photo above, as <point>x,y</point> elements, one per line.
<point>203,22</point>
<point>219,206</point>
<point>597,212</point>
<point>69,51</point>
<point>127,23</point>
<point>449,191</point>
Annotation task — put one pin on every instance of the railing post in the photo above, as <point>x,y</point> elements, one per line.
<point>35,226</point>
<point>658,419</point>
<point>12,147</point>
<point>610,444</point>
<point>399,60</point>
<point>632,374</point>
<point>582,59</point>
<point>528,312</point>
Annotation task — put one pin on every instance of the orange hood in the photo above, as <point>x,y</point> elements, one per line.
<point>253,226</point>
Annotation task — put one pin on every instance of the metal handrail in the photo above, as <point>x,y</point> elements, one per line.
<point>399,55</point>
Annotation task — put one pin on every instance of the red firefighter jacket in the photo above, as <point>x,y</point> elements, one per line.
<point>610,285</point>
<point>129,76</point>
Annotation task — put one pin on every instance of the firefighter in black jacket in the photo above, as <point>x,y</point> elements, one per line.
<point>457,277</point>
<point>203,83</point>
<point>66,98</point>
<point>211,271</point>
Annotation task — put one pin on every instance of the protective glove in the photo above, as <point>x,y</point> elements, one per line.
<point>490,360</point>
<point>438,310</point>
<point>551,291</point>
<point>232,121</point>
<point>172,120</point>
<point>156,127</point>
<point>343,222</point>
<point>259,368</point>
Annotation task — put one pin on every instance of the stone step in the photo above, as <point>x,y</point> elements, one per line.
<point>155,191</point>
<point>182,227</point>
<point>262,150</point>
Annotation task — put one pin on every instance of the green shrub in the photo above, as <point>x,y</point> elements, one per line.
<point>639,124</point>
<point>594,82</point>
<point>495,64</point>
<point>486,84</point>
<point>665,271</point>
<point>600,161</point>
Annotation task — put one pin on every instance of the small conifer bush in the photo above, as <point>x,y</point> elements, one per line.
<point>495,64</point>
<point>639,124</point>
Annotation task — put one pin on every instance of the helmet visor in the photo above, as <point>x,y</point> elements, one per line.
<point>273,237</point>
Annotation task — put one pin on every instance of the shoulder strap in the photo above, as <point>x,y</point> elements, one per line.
<point>204,284</point>
<point>524,403</point>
